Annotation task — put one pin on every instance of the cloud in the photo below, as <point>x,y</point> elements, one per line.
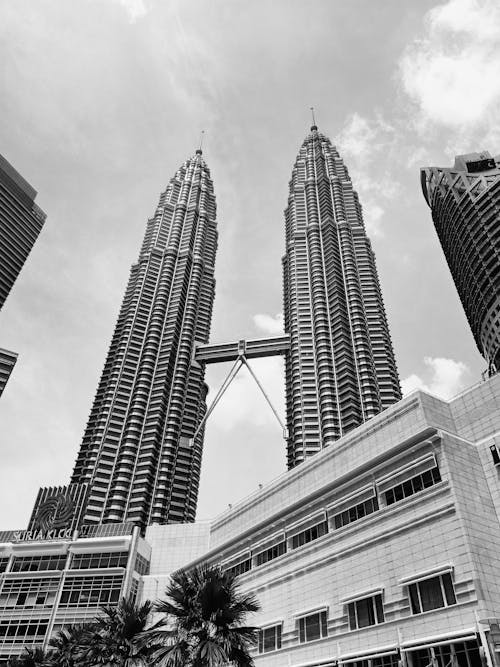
<point>363,141</point>
<point>269,324</point>
<point>446,378</point>
<point>452,72</point>
<point>135,9</point>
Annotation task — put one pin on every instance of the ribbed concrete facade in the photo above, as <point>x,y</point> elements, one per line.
<point>21,220</point>
<point>7,362</point>
<point>137,453</point>
<point>341,369</point>
<point>465,201</point>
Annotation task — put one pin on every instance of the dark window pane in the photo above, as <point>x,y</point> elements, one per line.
<point>278,636</point>
<point>366,616</point>
<point>448,589</point>
<point>415,604</point>
<point>269,639</point>
<point>312,627</point>
<point>418,484</point>
<point>407,489</point>
<point>380,609</point>
<point>430,594</point>
<point>352,616</point>
<point>427,479</point>
<point>302,631</point>
<point>324,628</point>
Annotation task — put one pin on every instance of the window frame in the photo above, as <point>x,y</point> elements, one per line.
<point>278,634</point>
<point>322,625</point>
<point>377,608</point>
<point>414,587</point>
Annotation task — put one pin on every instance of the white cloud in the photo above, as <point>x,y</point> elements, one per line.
<point>269,324</point>
<point>135,9</point>
<point>452,72</point>
<point>446,378</point>
<point>363,141</point>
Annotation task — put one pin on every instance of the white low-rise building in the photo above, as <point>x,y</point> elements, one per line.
<point>384,547</point>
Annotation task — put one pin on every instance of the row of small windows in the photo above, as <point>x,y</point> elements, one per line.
<point>424,595</point>
<point>77,562</point>
<point>351,514</point>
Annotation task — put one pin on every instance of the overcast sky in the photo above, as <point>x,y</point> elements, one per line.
<point>102,100</point>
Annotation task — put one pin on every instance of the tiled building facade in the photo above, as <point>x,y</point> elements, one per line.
<point>383,549</point>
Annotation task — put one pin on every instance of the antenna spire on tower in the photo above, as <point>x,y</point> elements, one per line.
<point>199,151</point>
<point>314,126</point>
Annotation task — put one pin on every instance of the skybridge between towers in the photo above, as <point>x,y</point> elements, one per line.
<point>240,351</point>
<point>251,349</point>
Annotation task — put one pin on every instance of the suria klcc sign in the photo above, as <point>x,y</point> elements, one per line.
<point>42,535</point>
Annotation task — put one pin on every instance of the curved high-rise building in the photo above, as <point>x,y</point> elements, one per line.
<point>465,204</point>
<point>340,369</point>
<point>138,455</point>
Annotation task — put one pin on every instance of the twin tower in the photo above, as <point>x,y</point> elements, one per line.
<point>140,457</point>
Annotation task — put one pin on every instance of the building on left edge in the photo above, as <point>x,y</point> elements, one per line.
<point>21,221</point>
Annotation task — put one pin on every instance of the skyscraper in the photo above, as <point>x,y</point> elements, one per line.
<point>138,454</point>
<point>7,362</point>
<point>464,201</point>
<point>21,220</point>
<point>340,369</point>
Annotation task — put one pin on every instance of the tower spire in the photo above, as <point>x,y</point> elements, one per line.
<point>313,126</point>
<point>202,135</point>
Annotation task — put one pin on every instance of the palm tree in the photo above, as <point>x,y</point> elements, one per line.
<point>204,611</point>
<point>115,634</point>
<point>69,646</point>
<point>30,658</point>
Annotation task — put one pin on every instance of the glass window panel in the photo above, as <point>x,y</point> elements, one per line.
<point>324,628</point>
<point>379,608</point>
<point>302,630</point>
<point>269,639</point>
<point>448,589</point>
<point>431,594</point>
<point>352,616</point>
<point>415,604</point>
<point>365,613</point>
<point>312,627</point>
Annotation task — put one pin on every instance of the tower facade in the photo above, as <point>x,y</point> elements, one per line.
<point>21,220</point>
<point>340,369</point>
<point>138,455</point>
<point>465,201</point>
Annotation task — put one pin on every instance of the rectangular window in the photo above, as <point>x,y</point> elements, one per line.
<point>356,512</point>
<point>310,534</point>
<point>38,563</point>
<point>269,639</point>
<point>313,627</point>
<point>365,612</point>
<point>270,554</point>
<point>432,593</point>
<point>412,486</point>
<point>240,568</point>
<point>99,560</point>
